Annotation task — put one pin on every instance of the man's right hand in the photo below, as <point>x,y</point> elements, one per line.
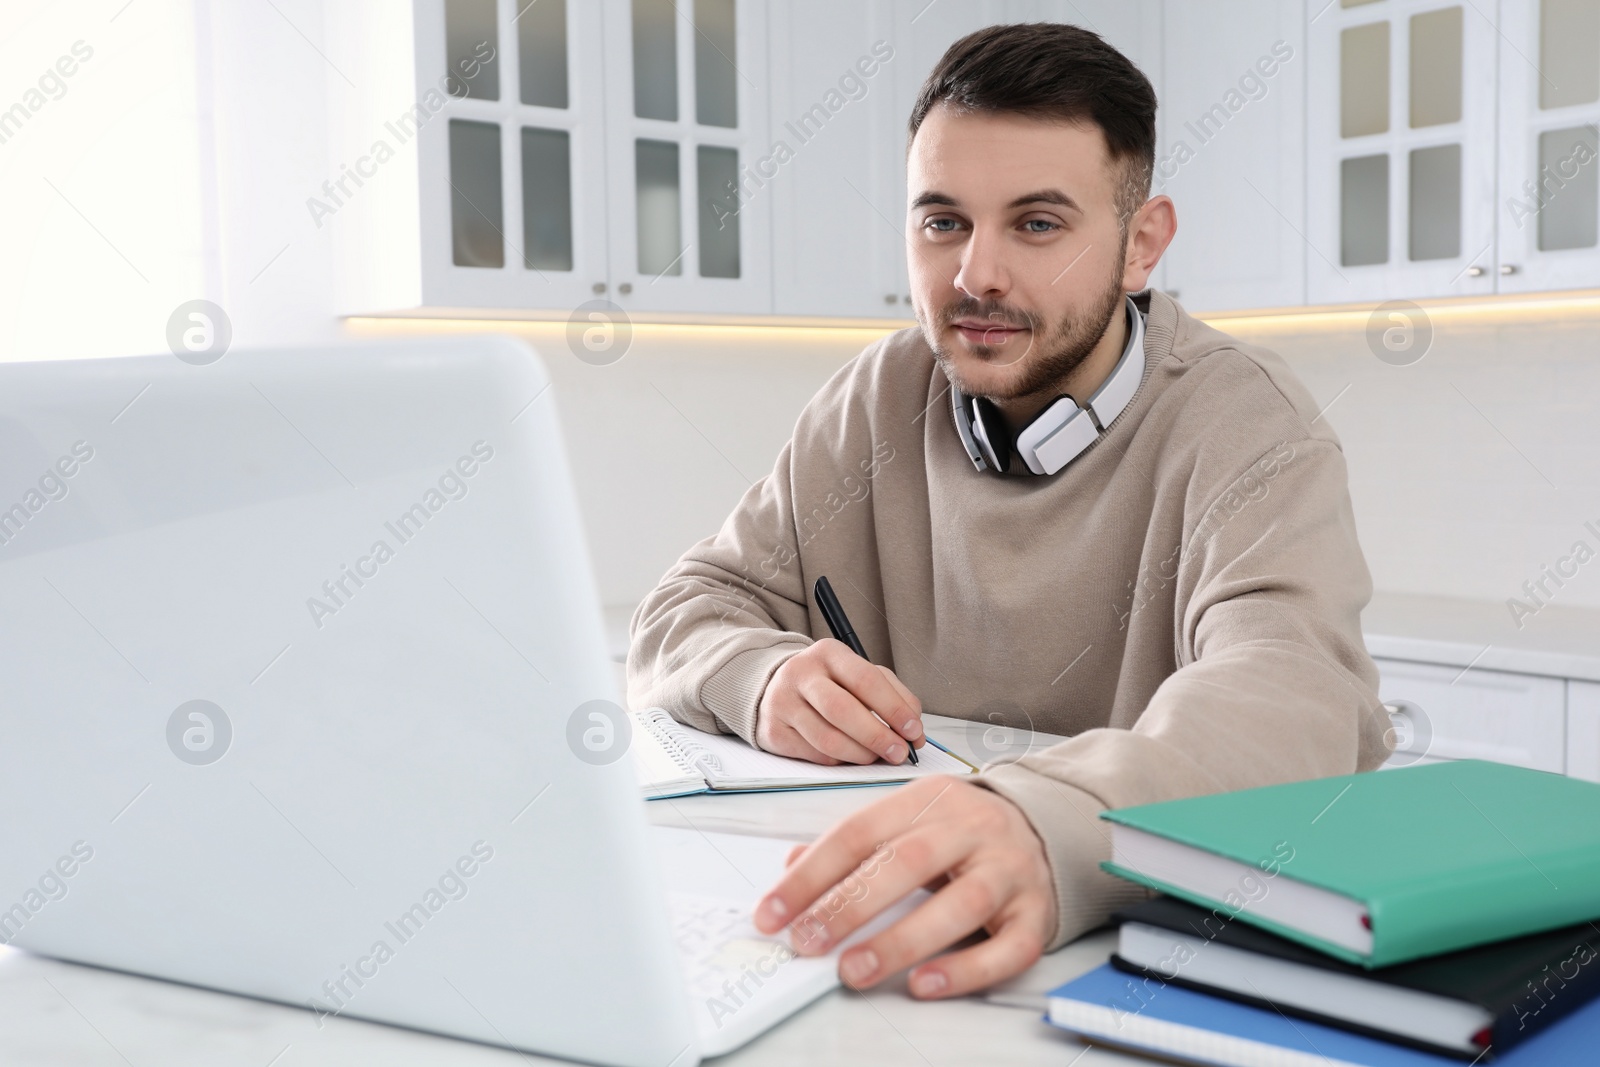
<point>824,705</point>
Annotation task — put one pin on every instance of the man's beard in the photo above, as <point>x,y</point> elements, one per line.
<point>1051,356</point>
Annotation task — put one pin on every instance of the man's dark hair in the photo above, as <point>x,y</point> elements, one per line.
<point>1050,70</point>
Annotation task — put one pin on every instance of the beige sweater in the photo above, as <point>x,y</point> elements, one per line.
<point>1182,601</point>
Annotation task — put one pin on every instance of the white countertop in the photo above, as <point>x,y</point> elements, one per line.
<point>56,1014</point>
<point>1557,640</point>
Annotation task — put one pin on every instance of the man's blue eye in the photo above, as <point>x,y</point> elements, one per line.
<point>943,225</point>
<point>1046,225</point>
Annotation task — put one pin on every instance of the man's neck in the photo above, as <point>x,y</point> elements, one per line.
<point>1081,382</point>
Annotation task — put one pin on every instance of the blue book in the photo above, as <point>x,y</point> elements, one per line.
<point>1145,1015</point>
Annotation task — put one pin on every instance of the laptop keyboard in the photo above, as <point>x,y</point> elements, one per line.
<point>720,950</point>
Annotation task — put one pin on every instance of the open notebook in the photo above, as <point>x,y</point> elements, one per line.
<point>673,760</point>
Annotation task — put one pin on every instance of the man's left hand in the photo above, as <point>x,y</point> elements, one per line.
<point>973,848</point>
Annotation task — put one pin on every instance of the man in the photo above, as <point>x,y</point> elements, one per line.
<point>1170,577</point>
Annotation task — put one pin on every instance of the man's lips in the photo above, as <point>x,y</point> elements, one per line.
<point>986,333</point>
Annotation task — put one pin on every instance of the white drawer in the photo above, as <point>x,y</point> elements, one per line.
<point>1441,713</point>
<point>1583,729</point>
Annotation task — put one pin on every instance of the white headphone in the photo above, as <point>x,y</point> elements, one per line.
<point>1058,434</point>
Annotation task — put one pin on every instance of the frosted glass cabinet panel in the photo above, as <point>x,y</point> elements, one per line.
<point>1549,155</point>
<point>477,224</point>
<point>1434,205</point>
<point>655,59</point>
<point>542,52</point>
<point>1435,73</point>
<point>1364,79</point>
<point>472,38</point>
<point>716,88</point>
<point>546,199</point>
<point>1400,161</point>
<point>659,207</point>
<point>1364,210</point>
<point>1569,52</point>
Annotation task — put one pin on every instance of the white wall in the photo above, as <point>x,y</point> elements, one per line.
<point>1475,466</point>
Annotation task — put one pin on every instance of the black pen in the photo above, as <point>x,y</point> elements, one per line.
<point>839,623</point>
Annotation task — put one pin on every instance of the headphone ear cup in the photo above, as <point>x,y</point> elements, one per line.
<point>989,427</point>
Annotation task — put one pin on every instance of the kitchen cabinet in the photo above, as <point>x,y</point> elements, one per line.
<point>1232,153</point>
<point>1549,145</point>
<point>686,137</point>
<point>837,189</point>
<point>1401,142</point>
<point>744,160</point>
<point>553,153</point>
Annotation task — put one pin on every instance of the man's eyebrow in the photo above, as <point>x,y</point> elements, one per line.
<point>1038,196</point>
<point>1046,196</point>
<point>942,199</point>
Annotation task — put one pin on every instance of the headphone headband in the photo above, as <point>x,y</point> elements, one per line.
<point>1058,434</point>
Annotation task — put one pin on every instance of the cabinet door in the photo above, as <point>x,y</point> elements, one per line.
<point>512,163</point>
<point>1549,145</point>
<point>1232,154</point>
<point>1446,713</point>
<point>687,143</point>
<point>838,244</point>
<point>1583,730</point>
<point>1400,126</point>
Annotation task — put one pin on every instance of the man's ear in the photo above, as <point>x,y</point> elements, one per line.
<point>1150,231</point>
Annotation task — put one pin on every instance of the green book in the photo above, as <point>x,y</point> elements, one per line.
<point>1382,867</point>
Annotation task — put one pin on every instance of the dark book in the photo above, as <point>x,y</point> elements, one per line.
<point>1472,1003</point>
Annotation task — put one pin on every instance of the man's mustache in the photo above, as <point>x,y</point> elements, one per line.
<point>990,313</point>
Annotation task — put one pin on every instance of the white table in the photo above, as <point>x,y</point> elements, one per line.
<point>64,1015</point>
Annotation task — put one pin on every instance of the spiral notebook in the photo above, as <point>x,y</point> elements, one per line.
<point>674,760</point>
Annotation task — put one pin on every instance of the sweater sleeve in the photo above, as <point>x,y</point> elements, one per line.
<point>1274,682</point>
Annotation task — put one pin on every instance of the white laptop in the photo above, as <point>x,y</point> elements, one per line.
<point>300,651</point>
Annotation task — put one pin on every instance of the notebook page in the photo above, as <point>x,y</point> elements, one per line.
<point>726,759</point>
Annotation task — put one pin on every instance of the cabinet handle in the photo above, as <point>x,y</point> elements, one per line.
<point>1474,272</point>
<point>625,288</point>
<point>1508,268</point>
<point>890,298</point>
<point>908,299</point>
<point>599,287</point>
<point>1410,735</point>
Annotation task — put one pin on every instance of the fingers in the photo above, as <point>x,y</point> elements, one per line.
<point>842,710</point>
<point>833,740</point>
<point>839,851</point>
<point>876,688</point>
<point>885,876</point>
<point>961,907</point>
<point>832,700</point>
<point>911,727</point>
<point>780,738</point>
<point>1013,949</point>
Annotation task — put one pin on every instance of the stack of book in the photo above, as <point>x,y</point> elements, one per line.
<point>1429,915</point>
